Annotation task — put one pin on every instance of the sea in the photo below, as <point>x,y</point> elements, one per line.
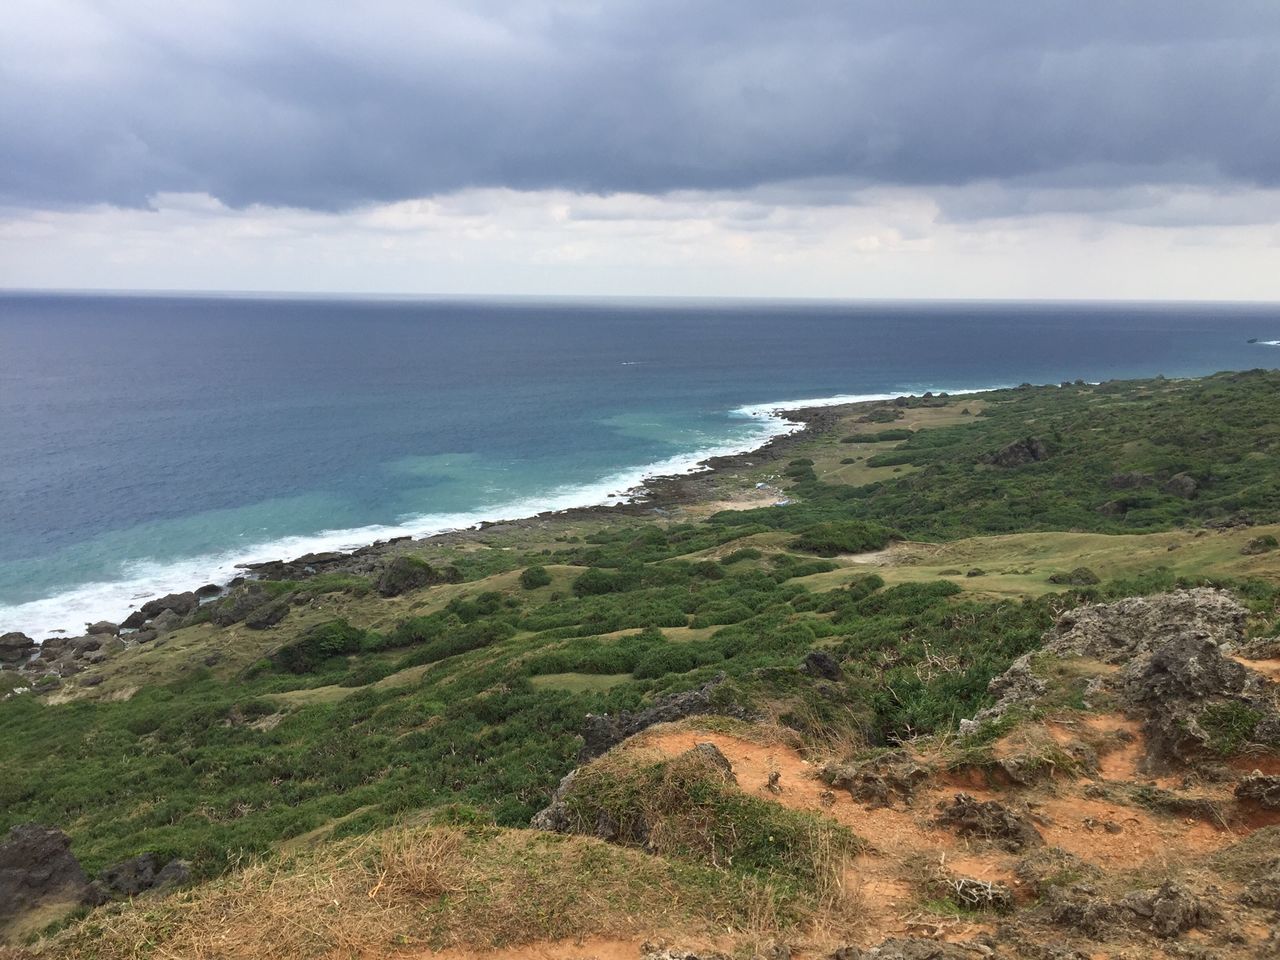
<point>149,443</point>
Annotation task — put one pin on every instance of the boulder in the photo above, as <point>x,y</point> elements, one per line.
<point>166,622</point>
<point>208,590</point>
<point>1168,911</point>
<point>1181,485</point>
<point>134,620</point>
<point>819,663</point>
<point>104,627</point>
<point>143,636</point>
<point>180,603</point>
<point>402,574</point>
<point>16,647</point>
<point>879,781</point>
<point>1019,453</point>
<point>38,868</point>
<point>239,602</point>
<point>267,614</point>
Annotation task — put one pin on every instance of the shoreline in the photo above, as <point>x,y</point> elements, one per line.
<point>787,424</point>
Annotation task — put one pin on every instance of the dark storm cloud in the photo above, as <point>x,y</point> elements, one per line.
<point>329,105</point>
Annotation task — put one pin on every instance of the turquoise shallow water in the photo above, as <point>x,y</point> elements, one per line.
<point>150,443</point>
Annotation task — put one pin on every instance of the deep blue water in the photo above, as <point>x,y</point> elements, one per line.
<point>147,443</point>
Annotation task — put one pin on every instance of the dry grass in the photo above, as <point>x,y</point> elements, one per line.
<point>435,887</point>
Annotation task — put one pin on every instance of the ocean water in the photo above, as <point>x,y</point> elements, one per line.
<point>150,443</point>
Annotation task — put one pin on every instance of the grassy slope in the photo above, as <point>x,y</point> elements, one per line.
<point>200,748</point>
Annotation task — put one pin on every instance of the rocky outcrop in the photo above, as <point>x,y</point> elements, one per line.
<point>1079,577</point>
<point>402,574</point>
<point>819,663</point>
<point>1019,453</point>
<point>1260,790</point>
<point>1166,911</point>
<point>603,731</point>
<point>38,868</point>
<point>1117,632</point>
<point>103,627</point>
<point>267,614</point>
<point>16,647</point>
<point>180,603</point>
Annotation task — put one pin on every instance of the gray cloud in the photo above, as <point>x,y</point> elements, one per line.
<point>330,105</point>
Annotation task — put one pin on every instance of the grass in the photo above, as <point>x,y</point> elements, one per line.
<point>578,682</point>
<point>421,888</point>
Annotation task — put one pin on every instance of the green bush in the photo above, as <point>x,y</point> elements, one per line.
<point>844,536</point>
<point>534,577</point>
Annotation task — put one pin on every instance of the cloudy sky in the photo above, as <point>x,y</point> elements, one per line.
<point>723,147</point>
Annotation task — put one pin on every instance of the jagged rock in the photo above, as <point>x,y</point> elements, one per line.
<point>1079,908</point>
<point>1017,686</point>
<point>16,647</point>
<point>1179,686</point>
<point>102,627</point>
<point>267,614</point>
<point>910,948</point>
<point>208,590</point>
<point>1259,545</point>
<point>1181,485</point>
<point>1169,910</point>
<point>166,622</point>
<point>1264,889</point>
<point>143,636</point>
<point>180,603</point>
<point>134,620</point>
<point>128,878</point>
<point>651,951</point>
<point>1259,789</point>
<point>710,753</point>
<point>1041,869</point>
<point>555,816</point>
<point>819,663</point>
<point>989,820</point>
<point>37,867</point>
<point>603,731</point>
<point>1117,632</point>
<point>880,781</point>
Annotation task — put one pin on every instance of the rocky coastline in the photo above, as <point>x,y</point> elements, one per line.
<point>245,599</point>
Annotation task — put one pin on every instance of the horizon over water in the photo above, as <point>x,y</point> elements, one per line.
<point>150,442</point>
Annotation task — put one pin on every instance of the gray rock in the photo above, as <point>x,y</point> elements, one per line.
<point>404,573</point>
<point>1261,790</point>
<point>179,603</point>
<point>1181,485</point>
<point>37,867</point>
<point>129,878</point>
<point>267,614</point>
<point>166,622</point>
<point>102,627</point>
<point>208,590</point>
<point>820,663</point>
<point>1168,911</point>
<point>16,647</point>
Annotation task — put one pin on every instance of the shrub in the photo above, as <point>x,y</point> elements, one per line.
<point>844,536</point>
<point>535,577</point>
<point>319,643</point>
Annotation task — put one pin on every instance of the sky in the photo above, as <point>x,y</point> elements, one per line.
<point>1088,149</point>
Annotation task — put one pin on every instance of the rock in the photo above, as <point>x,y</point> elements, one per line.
<point>1181,485</point>
<point>166,622</point>
<point>1079,577</point>
<point>819,663</point>
<point>128,878</point>
<point>208,590</point>
<point>710,754</point>
<point>1259,789</point>
<point>913,948</point>
<point>102,627</point>
<point>603,731</point>
<point>134,620</point>
<point>38,868</point>
<point>16,647</point>
<point>989,820</point>
<point>975,572</point>
<point>1017,686</point>
<point>555,816</point>
<point>1019,453</point>
<point>1259,545</point>
<point>652,951</point>
<point>180,603</point>
<point>267,614</point>
<point>239,602</point>
<point>143,636</point>
<point>1168,911</point>
<point>1079,908</point>
<point>1130,481</point>
<point>1118,632</point>
<point>82,646</point>
<point>402,574</point>
<point>880,781</point>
